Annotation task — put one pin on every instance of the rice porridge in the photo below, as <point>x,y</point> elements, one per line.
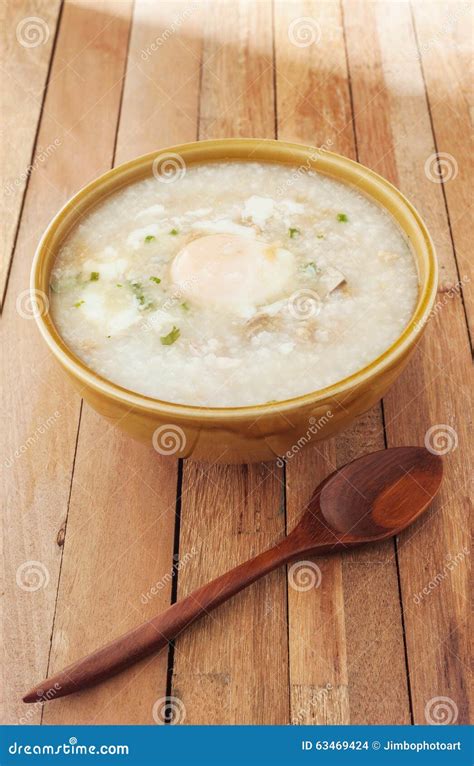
<point>238,283</point>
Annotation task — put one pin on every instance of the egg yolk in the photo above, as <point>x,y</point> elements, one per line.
<point>232,272</point>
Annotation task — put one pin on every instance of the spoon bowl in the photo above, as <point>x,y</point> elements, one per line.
<point>370,499</point>
<point>380,494</point>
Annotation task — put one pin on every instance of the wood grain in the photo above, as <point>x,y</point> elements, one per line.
<point>26,48</point>
<point>161,94</point>
<point>444,45</point>
<point>231,512</point>
<point>122,514</point>
<point>433,392</point>
<point>329,634</point>
<point>47,411</point>
<point>228,514</point>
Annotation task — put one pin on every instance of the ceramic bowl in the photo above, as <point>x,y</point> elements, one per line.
<point>250,433</point>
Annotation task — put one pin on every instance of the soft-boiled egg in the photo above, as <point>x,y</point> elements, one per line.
<point>233,273</point>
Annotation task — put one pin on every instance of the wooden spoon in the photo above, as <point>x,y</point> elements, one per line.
<point>370,499</point>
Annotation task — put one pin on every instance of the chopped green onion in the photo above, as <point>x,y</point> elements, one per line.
<point>342,217</point>
<point>312,266</point>
<point>156,280</point>
<point>320,235</point>
<point>174,232</point>
<point>118,285</point>
<point>185,306</point>
<point>150,238</point>
<point>293,232</point>
<point>94,276</point>
<point>173,335</point>
<point>137,289</point>
<point>79,303</point>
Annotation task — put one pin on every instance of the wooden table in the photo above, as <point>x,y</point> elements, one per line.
<point>94,520</point>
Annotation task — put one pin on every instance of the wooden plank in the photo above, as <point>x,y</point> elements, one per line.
<point>27,39</point>
<point>237,88</point>
<point>120,533</point>
<point>162,84</point>
<point>237,658</point>
<point>444,37</point>
<point>433,392</point>
<point>330,635</point>
<point>46,410</point>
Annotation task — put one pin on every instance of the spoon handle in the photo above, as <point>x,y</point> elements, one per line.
<point>156,633</point>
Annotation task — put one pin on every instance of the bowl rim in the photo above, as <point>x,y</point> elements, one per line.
<point>136,401</point>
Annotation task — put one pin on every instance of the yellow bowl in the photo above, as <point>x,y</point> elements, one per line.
<point>250,433</point>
